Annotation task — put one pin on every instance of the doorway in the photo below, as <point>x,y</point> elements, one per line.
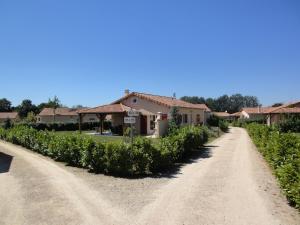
<point>143,125</point>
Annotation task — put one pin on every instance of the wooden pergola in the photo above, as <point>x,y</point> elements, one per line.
<point>101,112</point>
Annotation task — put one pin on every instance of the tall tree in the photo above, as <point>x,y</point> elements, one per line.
<point>5,105</point>
<point>52,103</point>
<point>231,104</point>
<point>25,107</point>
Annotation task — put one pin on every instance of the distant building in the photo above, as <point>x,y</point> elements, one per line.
<point>13,116</point>
<point>63,115</point>
<point>153,112</point>
<point>271,115</point>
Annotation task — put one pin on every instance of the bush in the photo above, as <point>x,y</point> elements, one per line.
<point>120,158</point>
<point>68,126</point>
<point>213,121</point>
<point>223,125</point>
<point>290,125</point>
<point>282,151</point>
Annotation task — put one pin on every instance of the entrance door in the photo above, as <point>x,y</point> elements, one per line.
<point>143,125</point>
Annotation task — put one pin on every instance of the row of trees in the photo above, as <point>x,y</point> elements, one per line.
<point>231,104</point>
<point>27,107</point>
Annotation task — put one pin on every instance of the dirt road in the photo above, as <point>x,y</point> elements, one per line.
<point>229,183</point>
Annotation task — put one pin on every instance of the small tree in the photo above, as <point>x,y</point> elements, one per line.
<point>175,120</point>
<point>31,118</point>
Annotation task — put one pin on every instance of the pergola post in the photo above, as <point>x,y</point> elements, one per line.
<point>80,122</point>
<point>101,117</point>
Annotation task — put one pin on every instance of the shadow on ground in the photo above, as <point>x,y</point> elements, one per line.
<point>201,153</point>
<point>5,162</point>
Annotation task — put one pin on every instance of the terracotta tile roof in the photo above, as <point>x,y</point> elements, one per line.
<point>289,105</point>
<point>112,108</point>
<point>203,106</point>
<point>287,110</point>
<point>236,114</point>
<point>221,114</point>
<point>58,111</point>
<point>257,110</point>
<point>163,100</point>
<point>8,115</point>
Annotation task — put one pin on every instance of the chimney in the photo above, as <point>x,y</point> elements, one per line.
<point>259,109</point>
<point>126,92</point>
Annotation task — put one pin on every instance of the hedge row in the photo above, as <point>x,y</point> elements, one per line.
<point>119,158</point>
<point>68,126</point>
<point>282,151</point>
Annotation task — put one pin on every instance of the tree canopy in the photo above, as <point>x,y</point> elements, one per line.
<point>231,104</point>
<point>5,105</point>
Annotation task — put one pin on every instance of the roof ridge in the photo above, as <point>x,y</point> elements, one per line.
<point>143,93</point>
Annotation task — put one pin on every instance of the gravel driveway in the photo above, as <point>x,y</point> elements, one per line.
<point>229,183</point>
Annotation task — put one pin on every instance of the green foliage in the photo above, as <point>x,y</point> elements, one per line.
<point>223,125</point>
<point>7,124</point>
<point>291,124</point>
<point>282,151</point>
<point>215,121</point>
<point>68,126</point>
<point>31,118</point>
<point>5,105</point>
<point>120,158</point>
<point>175,120</point>
<point>224,103</point>
<point>25,107</point>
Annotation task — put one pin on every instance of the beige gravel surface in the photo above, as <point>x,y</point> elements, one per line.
<point>228,183</point>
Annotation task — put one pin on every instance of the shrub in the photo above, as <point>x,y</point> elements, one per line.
<point>120,158</point>
<point>282,151</point>
<point>213,121</point>
<point>223,125</point>
<point>290,125</point>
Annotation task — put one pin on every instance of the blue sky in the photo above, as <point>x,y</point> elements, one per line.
<point>88,52</point>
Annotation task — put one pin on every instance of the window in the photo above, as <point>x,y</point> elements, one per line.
<point>152,122</point>
<point>185,118</point>
<point>134,100</point>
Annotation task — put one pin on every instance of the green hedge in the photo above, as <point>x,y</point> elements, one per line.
<point>120,158</point>
<point>282,151</point>
<point>69,126</point>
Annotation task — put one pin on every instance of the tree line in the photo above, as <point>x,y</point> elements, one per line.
<point>26,107</point>
<point>231,104</point>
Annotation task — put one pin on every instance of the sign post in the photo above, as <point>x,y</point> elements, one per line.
<point>131,120</point>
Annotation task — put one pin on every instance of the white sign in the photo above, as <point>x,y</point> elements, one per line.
<point>130,120</point>
<point>133,113</point>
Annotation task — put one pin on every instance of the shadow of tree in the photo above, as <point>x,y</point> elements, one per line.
<point>201,153</point>
<point>5,162</point>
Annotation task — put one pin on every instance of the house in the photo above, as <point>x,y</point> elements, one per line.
<point>63,115</point>
<point>13,116</point>
<point>226,116</point>
<point>276,114</point>
<point>254,113</point>
<point>154,111</point>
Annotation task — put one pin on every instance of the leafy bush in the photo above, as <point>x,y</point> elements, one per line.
<point>142,157</point>
<point>223,125</point>
<point>290,125</point>
<point>68,126</point>
<point>213,121</point>
<point>282,151</point>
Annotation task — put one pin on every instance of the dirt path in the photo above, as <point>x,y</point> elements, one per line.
<point>228,184</point>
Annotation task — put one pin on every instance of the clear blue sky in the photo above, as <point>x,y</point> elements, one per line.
<point>88,52</point>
